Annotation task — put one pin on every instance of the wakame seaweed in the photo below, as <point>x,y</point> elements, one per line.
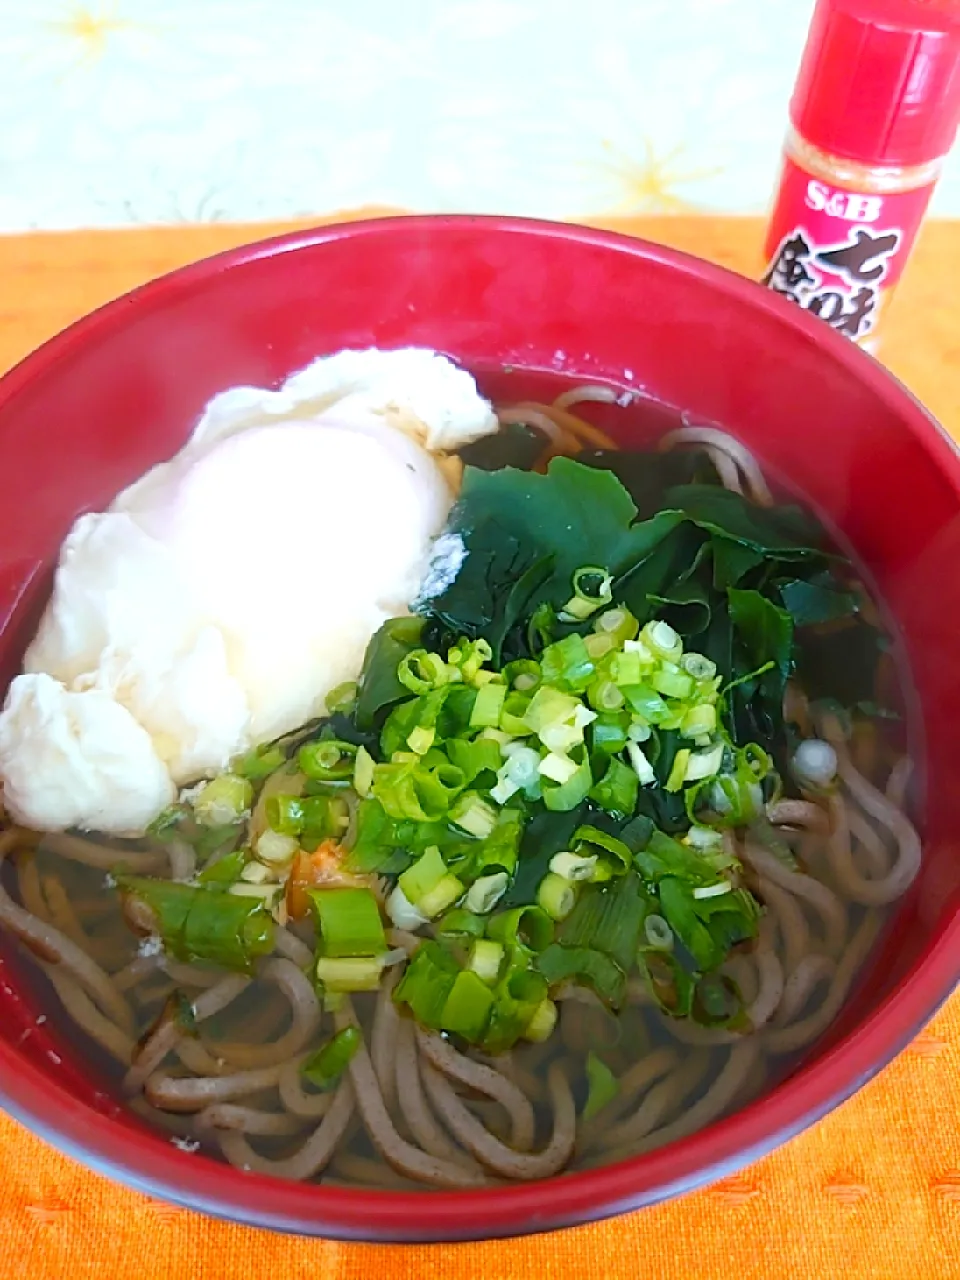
<point>676,546</point>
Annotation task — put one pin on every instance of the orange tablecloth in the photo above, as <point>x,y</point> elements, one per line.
<point>871,1193</point>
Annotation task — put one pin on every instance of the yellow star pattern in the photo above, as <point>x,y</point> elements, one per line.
<point>649,182</point>
<point>89,27</point>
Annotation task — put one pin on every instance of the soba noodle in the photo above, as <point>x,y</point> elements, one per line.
<point>412,1109</point>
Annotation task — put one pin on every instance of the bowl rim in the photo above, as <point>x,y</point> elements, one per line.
<point>149,1163</point>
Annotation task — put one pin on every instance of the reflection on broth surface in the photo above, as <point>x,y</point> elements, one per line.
<point>593,851</point>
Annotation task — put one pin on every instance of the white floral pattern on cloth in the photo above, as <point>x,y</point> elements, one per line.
<point>120,111</point>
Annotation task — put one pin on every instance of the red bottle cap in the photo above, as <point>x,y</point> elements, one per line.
<point>880,80</point>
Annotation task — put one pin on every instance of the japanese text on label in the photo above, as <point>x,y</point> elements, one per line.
<point>840,283</point>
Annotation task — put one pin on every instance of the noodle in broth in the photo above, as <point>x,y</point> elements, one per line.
<point>215,1058</point>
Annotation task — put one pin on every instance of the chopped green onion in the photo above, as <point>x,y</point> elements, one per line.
<point>420,740</point>
<point>753,757</point>
<point>468,656</point>
<point>663,640</point>
<point>165,824</point>
<point>602,1086</point>
<point>604,695</point>
<point>619,624</point>
<point>567,664</point>
<point>701,719</point>
<point>636,834</point>
<point>349,973</point>
<point>420,671</point>
<point>549,706</point>
<point>402,911</point>
<point>647,656</point>
<point>561,738</point>
<point>225,870</point>
<point>704,838</point>
<point>324,818</point>
<point>573,866</point>
<point>658,933</point>
<point>513,715</point>
<point>598,646</point>
<point>486,959</point>
<point>670,984</point>
<point>542,1024</point>
<point>566,795</point>
<point>276,850</point>
<point>342,698</point>
<point>442,895</point>
<point>696,665</point>
<point>672,684</point>
<point>517,998</point>
<point>223,800</point>
<point>717,1002</point>
<point>641,765</point>
<point>646,702</point>
<point>473,815</point>
<point>558,768</point>
<point>661,856</point>
<point>585,966</point>
<point>198,924</point>
<point>679,910</point>
<point>556,896</point>
<point>501,849</point>
<point>617,790</point>
<point>284,814</point>
<point>703,764</point>
<point>737,798</point>
<point>521,772</point>
<point>627,669</point>
<point>609,917</point>
<point>259,763</point>
<point>427,982</point>
<point>363,767</point>
<point>467,1008</point>
<point>251,872</point>
<point>523,675</point>
<point>324,1068</point>
<point>484,894</point>
<point>423,875</point>
<point>349,922</point>
<point>483,755</point>
<point>609,733</point>
<point>529,926</point>
<point>713,890</point>
<point>590,838</point>
<point>460,923</point>
<point>329,760</point>
<point>266,893</point>
<point>592,590</point>
<point>504,790</point>
<point>407,716</point>
<point>678,770</point>
<point>487,708</point>
<point>408,790</point>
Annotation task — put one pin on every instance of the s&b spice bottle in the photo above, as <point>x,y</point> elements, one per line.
<point>873,115</point>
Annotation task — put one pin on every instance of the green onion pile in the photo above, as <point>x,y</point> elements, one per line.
<point>532,782</point>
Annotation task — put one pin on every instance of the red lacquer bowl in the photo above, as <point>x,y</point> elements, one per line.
<point>115,393</point>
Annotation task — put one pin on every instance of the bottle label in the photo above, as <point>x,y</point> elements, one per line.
<point>837,252</point>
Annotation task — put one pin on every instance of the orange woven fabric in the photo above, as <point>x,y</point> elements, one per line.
<point>871,1193</point>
